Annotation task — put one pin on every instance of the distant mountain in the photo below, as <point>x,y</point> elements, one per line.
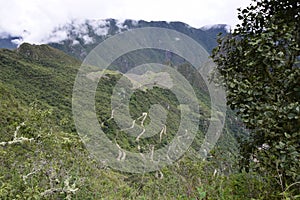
<point>79,37</point>
<point>85,35</point>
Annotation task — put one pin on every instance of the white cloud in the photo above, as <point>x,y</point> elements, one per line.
<point>75,42</point>
<point>35,19</point>
<point>87,39</point>
<point>209,26</point>
<point>120,25</point>
<point>100,27</point>
<point>57,36</point>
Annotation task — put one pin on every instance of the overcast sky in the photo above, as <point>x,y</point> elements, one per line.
<point>37,18</point>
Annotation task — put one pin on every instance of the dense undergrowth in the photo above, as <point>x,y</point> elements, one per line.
<point>42,157</point>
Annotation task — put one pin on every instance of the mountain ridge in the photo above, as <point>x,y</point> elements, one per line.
<point>39,142</point>
<point>78,37</point>
<point>45,53</point>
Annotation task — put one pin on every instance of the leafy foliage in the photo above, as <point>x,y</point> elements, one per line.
<point>259,63</point>
<point>41,156</point>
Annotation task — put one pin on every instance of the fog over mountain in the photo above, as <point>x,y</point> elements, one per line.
<point>78,37</point>
<point>33,19</point>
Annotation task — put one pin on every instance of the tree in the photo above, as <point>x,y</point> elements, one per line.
<point>259,65</point>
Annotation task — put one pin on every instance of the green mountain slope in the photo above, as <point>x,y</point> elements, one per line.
<point>42,157</point>
<point>39,74</point>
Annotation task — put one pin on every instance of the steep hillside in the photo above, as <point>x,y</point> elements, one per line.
<point>39,74</point>
<point>42,157</point>
<point>45,54</point>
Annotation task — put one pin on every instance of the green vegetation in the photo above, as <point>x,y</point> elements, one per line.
<point>40,74</point>
<point>42,156</point>
<point>259,64</point>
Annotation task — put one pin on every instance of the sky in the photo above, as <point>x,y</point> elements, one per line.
<point>35,19</point>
